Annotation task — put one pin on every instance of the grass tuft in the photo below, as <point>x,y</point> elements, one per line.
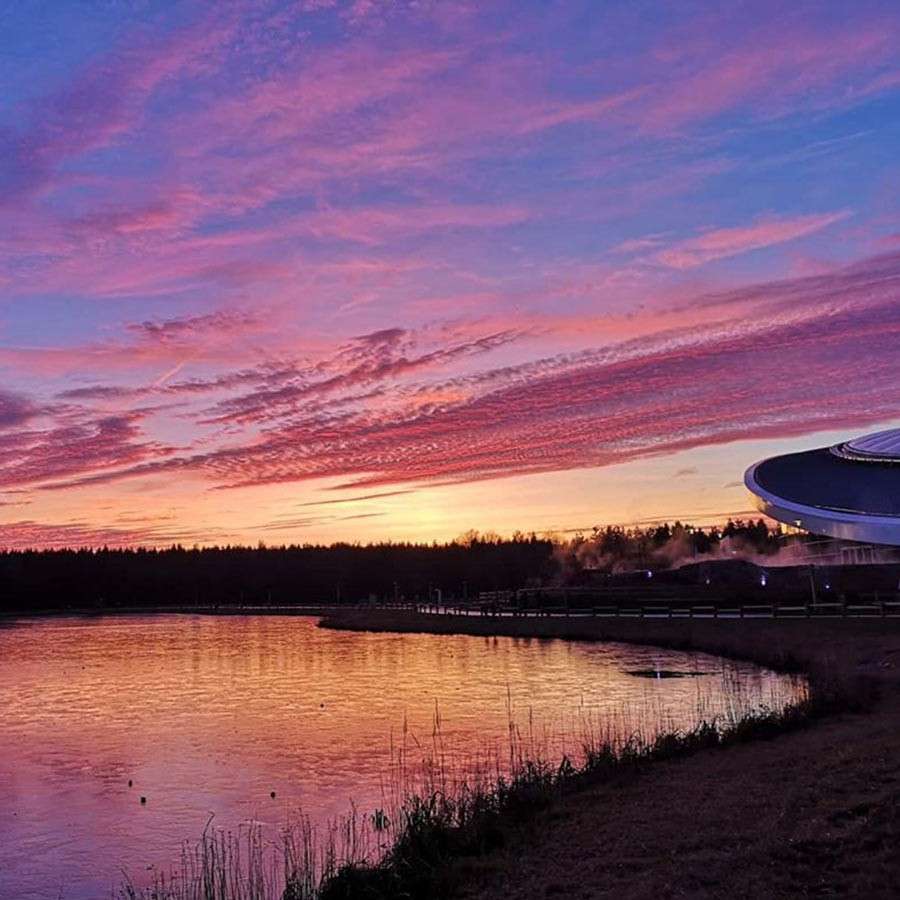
<point>439,814</point>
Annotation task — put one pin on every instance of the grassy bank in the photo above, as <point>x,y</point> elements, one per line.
<point>443,834</point>
<point>503,831</point>
<point>811,812</point>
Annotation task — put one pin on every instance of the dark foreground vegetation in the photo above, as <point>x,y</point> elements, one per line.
<point>788,810</point>
<point>800,801</point>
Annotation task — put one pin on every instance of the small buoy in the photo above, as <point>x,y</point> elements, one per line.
<point>130,782</point>
<point>272,794</point>
<point>143,799</point>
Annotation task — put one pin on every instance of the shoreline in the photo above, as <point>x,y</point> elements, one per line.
<point>800,803</point>
<point>840,645</point>
<point>309,610</point>
<point>793,812</point>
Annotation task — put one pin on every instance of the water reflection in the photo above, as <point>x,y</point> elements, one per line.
<point>210,715</point>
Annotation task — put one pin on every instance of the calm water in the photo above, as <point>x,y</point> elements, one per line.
<point>209,715</point>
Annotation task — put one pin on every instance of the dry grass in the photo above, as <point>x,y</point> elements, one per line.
<point>813,812</point>
<point>443,809</point>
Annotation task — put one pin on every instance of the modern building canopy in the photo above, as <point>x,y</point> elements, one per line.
<point>849,491</point>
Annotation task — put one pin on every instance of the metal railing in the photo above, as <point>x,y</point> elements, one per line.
<point>879,609</point>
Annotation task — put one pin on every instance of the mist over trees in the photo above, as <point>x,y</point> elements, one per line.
<point>614,549</point>
<point>351,573</point>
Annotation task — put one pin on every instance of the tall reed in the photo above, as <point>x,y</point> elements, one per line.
<point>440,804</point>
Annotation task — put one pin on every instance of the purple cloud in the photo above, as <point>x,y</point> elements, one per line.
<point>354,242</point>
<point>14,410</point>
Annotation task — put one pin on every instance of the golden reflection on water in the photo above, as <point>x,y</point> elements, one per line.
<point>209,715</point>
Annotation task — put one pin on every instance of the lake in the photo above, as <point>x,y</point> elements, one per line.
<point>208,715</point>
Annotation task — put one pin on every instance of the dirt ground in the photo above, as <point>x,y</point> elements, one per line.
<point>810,813</point>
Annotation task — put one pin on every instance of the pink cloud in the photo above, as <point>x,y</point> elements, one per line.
<point>652,395</point>
<point>378,251</point>
<point>358,499</point>
<point>105,101</point>
<point>771,71</point>
<point>356,111</point>
<point>173,213</point>
<point>725,242</point>
<point>14,409</point>
<point>375,359</point>
<point>379,225</point>
<point>69,449</point>
<point>28,534</point>
<point>180,329</point>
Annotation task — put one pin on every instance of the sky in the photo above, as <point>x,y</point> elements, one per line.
<point>395,269</point>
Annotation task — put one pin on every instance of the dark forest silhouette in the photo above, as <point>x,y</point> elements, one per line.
<point>106,578</point>
<point>224,576</point>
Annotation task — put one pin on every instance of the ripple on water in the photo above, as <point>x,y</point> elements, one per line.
<point>210,715</point>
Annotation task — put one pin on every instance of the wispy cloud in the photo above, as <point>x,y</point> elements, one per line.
<point>354,242</point>
<point>652,395</point>
<point>721,243</point>
<point>24,534</point>
<point>358,499</point>
<point>14,409</point>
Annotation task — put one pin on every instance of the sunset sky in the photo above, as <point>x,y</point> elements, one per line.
<point>327,270</point>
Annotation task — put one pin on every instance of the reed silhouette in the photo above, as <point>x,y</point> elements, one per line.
<point>439,808</point>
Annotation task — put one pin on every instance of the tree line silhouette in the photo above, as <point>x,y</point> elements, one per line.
<point>616,549</point>
<point>41,580</point>
<point>230,576</point>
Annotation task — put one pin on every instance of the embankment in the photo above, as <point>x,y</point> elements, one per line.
<point>809,812</point>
